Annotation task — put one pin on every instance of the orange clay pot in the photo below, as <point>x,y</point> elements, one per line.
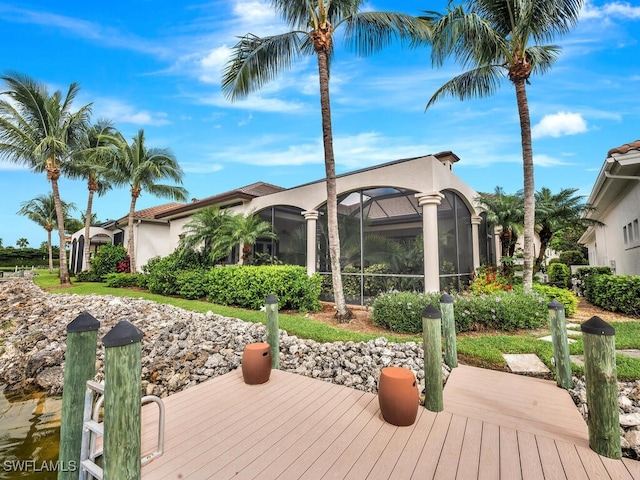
<point>398,396</point>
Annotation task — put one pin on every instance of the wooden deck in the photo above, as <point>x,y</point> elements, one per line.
<point>495,426</point>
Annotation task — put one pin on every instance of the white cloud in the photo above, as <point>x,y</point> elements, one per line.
<point>623,10</point>
<point>559,124</point>
<point>547,161</point>
<point>121,112</point>
<point>4,165</point>
<point>201,168</point>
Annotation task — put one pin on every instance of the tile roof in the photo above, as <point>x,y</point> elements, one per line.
<point>152,212</point>
<point>625,148</point>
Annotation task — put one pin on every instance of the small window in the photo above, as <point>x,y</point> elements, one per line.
<point>631,234</point>
<point>636,233</point>
<point>626,238</point>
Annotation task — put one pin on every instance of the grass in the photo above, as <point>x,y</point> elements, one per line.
<point>479,349</point>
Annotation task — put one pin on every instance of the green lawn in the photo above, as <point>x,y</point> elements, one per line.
<point>484,350</point>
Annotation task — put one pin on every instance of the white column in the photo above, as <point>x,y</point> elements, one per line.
<point>429,203</point>
<point>498,244</point>
<point>476,220</point>
<point>311,216</point>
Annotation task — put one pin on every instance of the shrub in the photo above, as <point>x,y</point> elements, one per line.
<point>88,276</point>
<point>559,275</point>
<point>616,293</point>
<point>107,260</point>
<point>121,280</point>
<point>248,286</point>
<point>583,272</point>
<point>562,295</point>
<point>489,280</point>
<point>501,310</point>
<point>192,284</point>
<point>161,274</point>
<point>573,257</point>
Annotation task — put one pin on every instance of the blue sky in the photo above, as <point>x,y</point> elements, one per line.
<point>155,65</point>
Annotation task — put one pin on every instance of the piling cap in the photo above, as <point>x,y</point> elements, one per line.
<point>596,326</point>
<point>431,311</point>
<point>124,333</point>
<point>555,305</point>
<point>271,299</point>
<point>84,322</point>
<point>446,298</point>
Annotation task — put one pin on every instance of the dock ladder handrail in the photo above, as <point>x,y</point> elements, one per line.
<point>93,427</point>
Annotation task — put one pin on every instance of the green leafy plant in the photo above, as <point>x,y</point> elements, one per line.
<point>562,295</point>
<point>121,280</point>
<point>559,274</point>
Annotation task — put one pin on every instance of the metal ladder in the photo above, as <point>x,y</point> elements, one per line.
<point>93,427</point>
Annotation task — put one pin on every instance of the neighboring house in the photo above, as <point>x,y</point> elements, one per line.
<point>389,214</point>
<point>616,198</point>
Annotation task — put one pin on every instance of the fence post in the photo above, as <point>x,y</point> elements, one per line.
<point>432,345</point>
<point>602,387</point>
<point>273,330</point>
<point>79,366</point>
<point>560,344</point>
<point>449,331</point>
<point>122,402</point>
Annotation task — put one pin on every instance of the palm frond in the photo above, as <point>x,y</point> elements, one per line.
<point>542,58</point>
<point>477,83</point>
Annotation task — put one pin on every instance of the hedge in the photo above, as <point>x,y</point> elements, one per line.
<point>616,293</point>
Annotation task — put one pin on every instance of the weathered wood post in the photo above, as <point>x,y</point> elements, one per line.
<point>432,345</point>
<point>273,330</point>
<point>560,344</point>
<point>449,331</point>
<point>122,402</point>
<point>602,387</point>
<point>79,366</point>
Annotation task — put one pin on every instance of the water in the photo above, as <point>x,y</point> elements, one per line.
<point>29,435</point>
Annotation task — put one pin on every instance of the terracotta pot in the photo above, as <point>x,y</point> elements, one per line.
<point>256,363</point>
<point>398,396</point>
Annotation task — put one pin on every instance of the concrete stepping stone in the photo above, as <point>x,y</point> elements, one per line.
<point>525,363</point>
<point>577,359</point>
<point>549,338</point>
<point>629,352</point>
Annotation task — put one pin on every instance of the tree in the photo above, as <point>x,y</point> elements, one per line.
<point>243,231</point>
<point>142,168</point>
<point>555,212</point>
<point>257,60</point>
<point>42,210</point>
<point>39,130</point>
<point>91,163</point>
<point>493,39</point>
<point>507,212</point>
<point>22,242</point>
<point>201,230</point>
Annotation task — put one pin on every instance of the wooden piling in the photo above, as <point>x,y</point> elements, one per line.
<point>560,345</point>
<point>273,330</point>
<point>449,331</point>
<point>432,345</point>
<point>79,366</point>
<point>602,387</point>
<point>122,402</point>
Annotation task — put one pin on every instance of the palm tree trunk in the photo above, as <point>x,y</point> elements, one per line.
<point>64,270</point>
<point>342,312</point>
<point>50,247</point>
<point>130,242</point>
<point>86,265</point>
<point>529,193</point>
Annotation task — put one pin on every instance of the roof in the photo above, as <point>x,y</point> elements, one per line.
<point>151,213</point>
<point>247,192</point>
<point>625,148</point>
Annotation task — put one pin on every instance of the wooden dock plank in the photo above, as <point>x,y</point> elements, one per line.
<point>296,427</point>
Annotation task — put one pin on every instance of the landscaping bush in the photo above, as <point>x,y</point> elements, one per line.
<point>573,257</point>
<point>583,272</point>
<point>192,284</point>
<point>120,280</point>
<point>616,293</point>
<point>559,275</point>
<point>248,286</point>
<point>562,295</point>
<point>161,274</point>
<point>106,261</point>
<point>88,276</point>
<point>502,310</point>
<point>488,280</point>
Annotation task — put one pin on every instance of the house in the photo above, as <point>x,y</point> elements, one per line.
<point>412,219</point>
<point>616,199</point>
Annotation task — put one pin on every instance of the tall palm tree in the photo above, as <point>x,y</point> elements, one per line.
<point>42,210</point>
<point>557,211</point>
<point>243,231</point>
<point>497,39</point>
<point>505,211</point>
<point>39,130</point>
<point>90,164</point>
<point>258,60</point>
<point>201,230</point>
<point>22,242</point>
<point>141,168</point>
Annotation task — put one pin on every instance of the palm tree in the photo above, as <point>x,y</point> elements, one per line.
<point>42,210</point>
<point>22,242</point>
<point>493,39</point>
<point>507,212</point>
<point>201,230</point>
<point>39,130</point>
<point>141,168</point>
<point>91,163</point>
<point>243,231</point>
<point>258,60</point>
<point>555,212</point>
